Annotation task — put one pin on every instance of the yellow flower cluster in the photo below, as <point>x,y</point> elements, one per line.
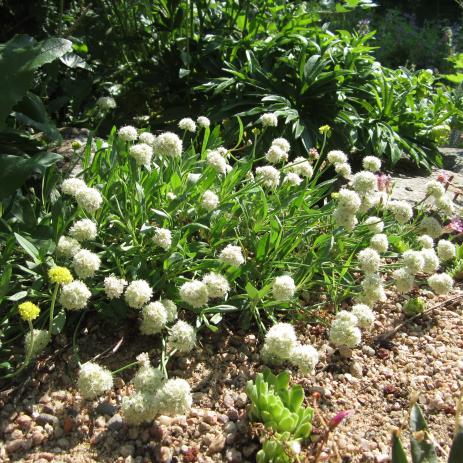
<point>324,129</point>
<point>28,311</point>
<point>60,275</point>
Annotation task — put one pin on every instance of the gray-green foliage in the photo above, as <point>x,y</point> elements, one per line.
<point>280,408</point>
<point>423,449</point>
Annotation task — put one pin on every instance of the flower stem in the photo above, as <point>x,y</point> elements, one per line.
<point>126,367</point>
<point>52,307</point>
<point>28,354</point>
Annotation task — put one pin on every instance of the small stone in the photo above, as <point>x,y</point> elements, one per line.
<point>368,350</point>
<point>106,408</point>
<point>100,422</point>
<point>46,418</point>
<point>231,438</point>
<point>115,423</point>
<point>210,418</point>
<point>233,456</point>
<point>165,455</point>
<point>68,424</point>
<point>37,438</point>
<point>228,401</point>
<point>164,420</point>
<point>158,431</point>
<point>356,369</point>
<point>24,422</point>
<point>133,433</point>
<point>204,427</point>
<point>233,414</point>
<point>14,445</point>
<point>126,450</point>
<point>250,449</point>
<point>216,445</point>
<point>345,352</point>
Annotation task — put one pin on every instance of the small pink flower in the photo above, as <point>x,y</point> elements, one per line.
<point>443,177</point>
<point>455,225</point>
<point>313,153</point>
<point>338,418</point>
<point>383,182</point>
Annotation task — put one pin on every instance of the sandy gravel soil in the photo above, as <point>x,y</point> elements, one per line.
<point>44,419</point>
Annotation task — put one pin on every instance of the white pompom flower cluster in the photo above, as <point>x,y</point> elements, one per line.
<point>344,331</point>
<point>154,318</point>
<point>210,201</point>
<point>74,295</point>
<point>163,238</point>
<point>301,167</point>
<point>182,337</point>
<point>283,288</point>
<point>269,120</point>
<point>187,124</point>
<point>371,163</point>
<point>168,145</point>
<point>67,247</point>
<point>138,293</point>
<point>268,176</point>
<point>93,380</point>
<point>217,161</point>
<point>89,199</point>
<point>232,255</point>
<point>86,264</point>
<point>83,230</point>
<point>128,133</point>
<point>281,345</point>
<point>349,203</point>
<point>36,341</point>
<point>142,153</point>
<point>114,287</point>
<point>440,283</point>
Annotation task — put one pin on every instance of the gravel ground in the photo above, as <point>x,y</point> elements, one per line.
<point>45,420</point>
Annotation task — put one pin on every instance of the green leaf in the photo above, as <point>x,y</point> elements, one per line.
<point>18,296</point>
<point>456,451</point>
<point>19,58</point>
<point>398,452</point>
<point>252,292</point>
<point>15,170</point>
<point>296,397</point>
<point>5,280</point>
<point>28,247</point>
<point>58,322</point>
<point>422,449</point>
<point>282,380</point>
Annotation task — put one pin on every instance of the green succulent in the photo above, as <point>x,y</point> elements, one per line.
<point>414,306</point>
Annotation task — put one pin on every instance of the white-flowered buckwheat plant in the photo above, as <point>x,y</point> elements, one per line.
<point>190,229</point>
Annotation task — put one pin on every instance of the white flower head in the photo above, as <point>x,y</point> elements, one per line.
<point>217,285</point>
<point>364,314</point>
<point>269,176</point>
<point>343,169</point>
<point>426,241</point>
<point>435,189</point>
<point>187,124</point>
<point>369,260</point>
<point>86,263</point>
<point>404,280</point>
<point>40,339</point>
<point>371,163</point>
<point>203,121</point>
<point>373,290</point>
<point>148,379</point>
<point>182,337</point>
<point>142,153</point>
<point>163,238</point>
<point>345,218</point>
<point>106,103</point>
<point>413,261</point>
<point>302,167</point>
<point>114,287</point>
<point>154,318</point>
<point>374,224</point>
<point>168,144</point>
<point>401,210</point>
<point>171,309</point>
<point>89,199</point>
<point>293,179</point>
<point>128,133</point>
<point>440,283</point>
<point>83,230</point>
<point>148,139</point>
<point>445,205</point>
<point>138,408</point>
<point>74,295</point>
<point>93,380</point>
<point>430,226</point>
<point>344,330</point>
<point>349,200</point>
<point>269,120</point>
<point>430,259</point>
<point>336,156</point>
<point>174,397</point>
<point>193,178</point>
<point>217,161</point>
<point>194,293</point>
<point>232,255</point>
<point>67,247</point>
<point>282,143</point>
<point>446,250</point>
<point>283,288</point>
<point>364,182</point>
<point>72,185</point>
<point>275,155</point>
<point>379,242</point>
<point>138,293</point>
<point>280,341</point>
<point>305,358</point>
<point>210,201</point>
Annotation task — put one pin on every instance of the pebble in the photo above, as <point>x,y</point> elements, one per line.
<point>232,414</point>
<point>233,456</point>
<point>126,450</point>
<point>14,445</point>
<point>46,418</point>
<point>106,408</point>
<point>115,423</point>
<point>37,438</point>
<point>368,350</point>
<point>24,422</point>
<point>165,455</point>
<point>216,445</point>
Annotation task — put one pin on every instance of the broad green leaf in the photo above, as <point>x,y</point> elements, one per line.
<point>58,322</point>
<point>398,452</point>
<point>28,247</point>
